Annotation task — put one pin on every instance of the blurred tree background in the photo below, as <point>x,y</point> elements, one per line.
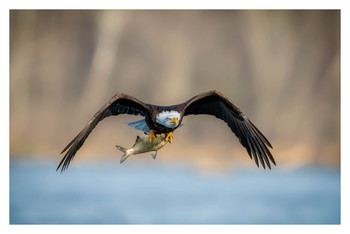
<point>281,67</point>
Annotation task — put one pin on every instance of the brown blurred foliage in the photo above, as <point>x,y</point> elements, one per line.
<point>281,67</point>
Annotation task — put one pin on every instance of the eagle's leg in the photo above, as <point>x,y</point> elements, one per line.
<point>152,136</point>
<point>169,137</point>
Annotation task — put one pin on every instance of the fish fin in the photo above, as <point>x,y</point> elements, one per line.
<point>154,154</point>
<point>121,149</point>
<point>125,155</point>
<point>137,140</point>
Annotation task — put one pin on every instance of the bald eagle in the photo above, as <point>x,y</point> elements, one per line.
<point>166,119</point>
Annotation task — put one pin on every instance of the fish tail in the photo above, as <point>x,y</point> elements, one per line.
<point>125,151</point>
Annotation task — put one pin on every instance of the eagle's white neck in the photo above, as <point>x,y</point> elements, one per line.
<point>163,117</point>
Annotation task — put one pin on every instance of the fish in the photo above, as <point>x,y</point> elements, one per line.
<point>143,145</point>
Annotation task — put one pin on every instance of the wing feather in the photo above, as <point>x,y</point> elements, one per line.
<point>216,104</point>
<point>118,104</point>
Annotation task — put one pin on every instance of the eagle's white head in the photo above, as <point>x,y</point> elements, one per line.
<point>169,119</point>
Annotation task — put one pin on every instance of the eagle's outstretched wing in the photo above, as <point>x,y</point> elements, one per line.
<point>119,104</point>
<point>216,104</point>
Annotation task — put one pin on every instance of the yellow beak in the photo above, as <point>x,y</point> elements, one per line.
<point>174,121</point>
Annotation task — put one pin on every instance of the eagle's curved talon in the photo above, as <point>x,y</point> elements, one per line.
<point>169,137</point>
<point>152,136</point>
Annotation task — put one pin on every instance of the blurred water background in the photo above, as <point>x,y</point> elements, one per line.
<point>281,67</point>
<point>109,193</point>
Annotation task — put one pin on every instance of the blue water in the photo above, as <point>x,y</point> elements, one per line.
<point>154,193</point>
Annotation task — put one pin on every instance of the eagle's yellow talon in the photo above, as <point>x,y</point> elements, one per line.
<point>152,136</point>
<point>169,137</point>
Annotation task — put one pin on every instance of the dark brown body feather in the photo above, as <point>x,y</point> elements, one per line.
<point>210,103</point>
